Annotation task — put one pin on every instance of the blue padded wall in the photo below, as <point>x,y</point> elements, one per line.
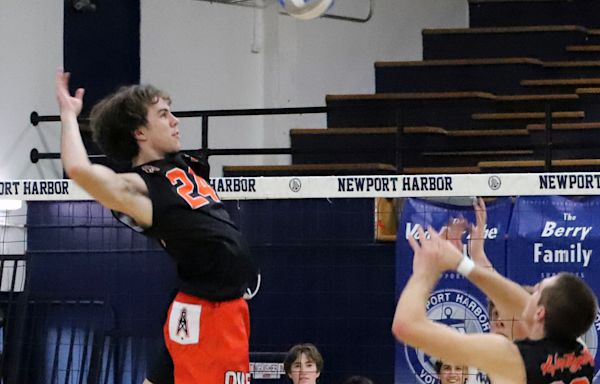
<point>325,280</point>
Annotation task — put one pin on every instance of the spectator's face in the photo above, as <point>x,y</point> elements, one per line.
<point>304,370</point>
<point>453,374</point>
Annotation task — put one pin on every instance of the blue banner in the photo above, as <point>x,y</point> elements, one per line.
<point>551,234</point>
<point>455,301</point>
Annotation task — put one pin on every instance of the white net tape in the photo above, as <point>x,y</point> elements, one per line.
<point>247,188</point>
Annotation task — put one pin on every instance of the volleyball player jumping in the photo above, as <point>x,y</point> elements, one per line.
<point>166,196</point>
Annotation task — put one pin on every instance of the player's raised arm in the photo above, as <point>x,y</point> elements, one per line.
<point>477,235</point>
<point>73,153</point>
<point>508,296</point>
<point>119,192</point>
<point>493,354</point>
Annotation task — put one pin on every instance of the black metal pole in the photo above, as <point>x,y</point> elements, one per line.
<point>399,142</point>
<point>204,136</point>
<point>548,137</point>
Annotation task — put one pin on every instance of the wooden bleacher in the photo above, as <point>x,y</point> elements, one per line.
<point>476,103</point>
<point>585,48</point>
<point>564,85</point>
<point>500,75</point>
<point>545,42</point>
<point>558,165</point>
<point>443,147</point>
<point>528,115</point>
<point>451,110</point>
<point>309,170</point>
<point>494,13</point>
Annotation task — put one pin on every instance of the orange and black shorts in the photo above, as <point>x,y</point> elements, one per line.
<point>208,341</point>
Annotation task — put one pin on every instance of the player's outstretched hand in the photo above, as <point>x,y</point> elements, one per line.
<point>66,102</point>
<point>433,254</point>
<point>477,235</point>
<point>454,230</point>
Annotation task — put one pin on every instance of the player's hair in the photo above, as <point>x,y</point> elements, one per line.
<point>438,366</point>
<point>570,308</point>
<point>114,119</point>
<point>311,352</point>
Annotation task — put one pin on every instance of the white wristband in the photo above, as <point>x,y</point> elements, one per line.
<point>465,266</point>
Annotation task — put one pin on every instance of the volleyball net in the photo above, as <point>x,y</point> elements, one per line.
<point>260,188</point>
<point>84,298</point>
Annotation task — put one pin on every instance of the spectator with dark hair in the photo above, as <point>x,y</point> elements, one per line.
<point>449,373</point>
<point>358,380</point>
<point>303,364</point>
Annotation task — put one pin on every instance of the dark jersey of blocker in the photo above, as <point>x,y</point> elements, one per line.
<point>212,257</point>
<point>548,362</point>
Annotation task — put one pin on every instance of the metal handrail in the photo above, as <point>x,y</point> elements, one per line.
<point>35,155</point>
<point>399,147</point>
<point>35,118</point>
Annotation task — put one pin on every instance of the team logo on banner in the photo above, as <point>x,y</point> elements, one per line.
<point>456,309</point>
<point>494,182</point>
<point>295,185</point>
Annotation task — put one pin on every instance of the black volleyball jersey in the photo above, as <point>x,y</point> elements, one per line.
<point>188,218</point>
<point>550,362</point>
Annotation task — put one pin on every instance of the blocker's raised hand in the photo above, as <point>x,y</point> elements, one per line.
<point>454,231</point>
<point>433,254</point>
<point>66,102</point>
<point>477,235</point>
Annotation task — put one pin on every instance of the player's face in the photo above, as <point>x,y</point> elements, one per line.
<point>498,323</point>
<point>530,311</point>
<point>304,370</point>
<point>162,129</point>
<point>453,374</point>
<point>514,329</point>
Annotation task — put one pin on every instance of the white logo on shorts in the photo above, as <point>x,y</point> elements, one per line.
<point>184,323</point>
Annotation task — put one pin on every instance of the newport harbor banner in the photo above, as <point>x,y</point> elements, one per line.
<point>552,234</point>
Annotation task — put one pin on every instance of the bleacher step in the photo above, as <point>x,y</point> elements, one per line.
<point>528,115</point>
<point>546,42</point>
<point>583,48</point>
<point>485,13</point>
<point>309,170</point>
